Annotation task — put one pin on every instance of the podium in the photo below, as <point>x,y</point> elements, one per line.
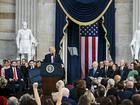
<point>50,73</point>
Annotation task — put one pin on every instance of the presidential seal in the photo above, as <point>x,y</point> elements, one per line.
<point>50,68</point>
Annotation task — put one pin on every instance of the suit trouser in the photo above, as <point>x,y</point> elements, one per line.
<point>16,86</point>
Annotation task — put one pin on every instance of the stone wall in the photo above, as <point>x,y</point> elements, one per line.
<point>45,27</point>
<point>124,28</point>
<point>7,29</point>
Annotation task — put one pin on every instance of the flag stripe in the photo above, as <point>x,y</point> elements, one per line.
<point>90,51</point>
<point>83,56</point>
<point>96,49</point>
<point>80,55</point>
<point>86,55</point>
<point>93,49</point>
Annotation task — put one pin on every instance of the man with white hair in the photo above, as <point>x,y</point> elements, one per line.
<point>130,84</point>
<point>111,90</point>
<point>60,84</point>
<point>93,73</point>
<point>123,70</point>
<point>62,95</point>
<point>135,44</point>
<point>130,87</point>
<point>111,83</point>
<point>13,101</point>
<point>52,57</point>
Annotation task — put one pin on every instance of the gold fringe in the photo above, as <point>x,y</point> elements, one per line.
<point>107,41</point>
<point>64,32</point>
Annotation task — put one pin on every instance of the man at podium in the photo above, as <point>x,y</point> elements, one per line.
<point>52,57</point>
<point>52,70</point>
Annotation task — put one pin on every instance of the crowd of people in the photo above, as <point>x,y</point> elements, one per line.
<point>20,75</point>
<point>106,83</point>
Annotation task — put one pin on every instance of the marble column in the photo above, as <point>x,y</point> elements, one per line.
<point>123,29</point>
<point>26,10</point>
<point>136,14</point>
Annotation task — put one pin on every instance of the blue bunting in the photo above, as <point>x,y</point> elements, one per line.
<point>84,10</point>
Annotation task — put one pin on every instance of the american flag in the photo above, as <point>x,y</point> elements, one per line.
<point>88,47</point>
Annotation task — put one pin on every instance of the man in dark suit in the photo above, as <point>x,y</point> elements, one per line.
<point>106,70</point>
<point>93,73</point>
<point>123,70</point>
<point>52,57</point>
<point>15,78</point>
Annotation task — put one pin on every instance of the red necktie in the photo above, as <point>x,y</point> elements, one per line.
<point>2,73</point>
<point>15,74</point>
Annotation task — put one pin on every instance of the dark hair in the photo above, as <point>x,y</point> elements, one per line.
<point>113,99</point>
<point>137,86</point>
<point>120,85</point>
<point>13,61</point>
<point>104,82</point>
<point>31,61</point>
<point>136,99</point>
<point>5,61</point>
<point>136,60</point>
<point>116,66</point>
<point>26,99</point>
<point>101,90</point>
<point>126,102</point>
<point>66,103</point>
<point>138,79</point>
<point>83,100</point>
<point>81,84</point>
<point>24,59</point>
<point>47,101</point>
<point>106,101</point>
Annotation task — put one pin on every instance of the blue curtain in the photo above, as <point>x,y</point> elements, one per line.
<point>110,26</point>
<point>83,12</point>
<point>60,23</point>
<point>73,60</point>
<point>101,42</point>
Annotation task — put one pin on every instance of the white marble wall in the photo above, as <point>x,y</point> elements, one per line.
<point>136,14</point>
<point>45,27</point>
<point>124,29</point>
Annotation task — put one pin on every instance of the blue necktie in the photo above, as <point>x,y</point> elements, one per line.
<point>94,71</point>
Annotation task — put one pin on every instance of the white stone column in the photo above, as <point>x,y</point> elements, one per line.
<point>123,29</point>
<point>26,10</point>
<point>136,14</point>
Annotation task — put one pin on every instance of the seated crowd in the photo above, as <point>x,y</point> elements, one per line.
<point>106,83</point>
